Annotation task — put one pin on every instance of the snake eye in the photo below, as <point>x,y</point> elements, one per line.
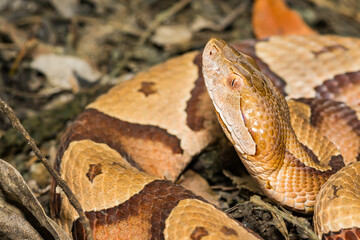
<point>234,81</point>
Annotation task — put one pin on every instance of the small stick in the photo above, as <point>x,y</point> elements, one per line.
<point>300,222</point>
<point>23,51</point>
<point>7,110</point>
<point>161,17</point>
<point>231,17</point>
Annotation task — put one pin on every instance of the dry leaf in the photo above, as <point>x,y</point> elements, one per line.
<point>280,225</point>
<point>201,23</point>
<point>67,8</point>
<point>63,71</point>
<point>246,182</point>
<point>196,183</point>
<point>21,215</point>
<point>273,17</point>
<point>172,35</point>
<point>98,33</point>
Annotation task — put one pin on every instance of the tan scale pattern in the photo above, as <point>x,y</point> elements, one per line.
<point>350,94</point>
<point>214,224</point>
<point>162,162</point>
<point>357,110</point>
<point>141,227</point>
<point>115,185</point>
<point>323,56</point>
<point>310,136</point>
<point>146,214</point>
<point>172,85</point>
<point>338,202</point>
<point>295,185</point>
<point>132,141</point>
<point>343,234</point>
<point>343,87</point>
<point>141,217</point>
<point>133,228</point>
<point>339,124</point>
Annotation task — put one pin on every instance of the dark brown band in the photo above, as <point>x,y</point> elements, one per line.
<point>343,234</point>
<point>193,119</point>
<point>101,128</point>
<point>335,86</point>
<point>153,204</point>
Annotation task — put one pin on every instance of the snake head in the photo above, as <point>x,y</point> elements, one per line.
<point>226,73</point>
<point>247,104</point>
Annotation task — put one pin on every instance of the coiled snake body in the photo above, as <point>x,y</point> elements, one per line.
<point>157,121</point>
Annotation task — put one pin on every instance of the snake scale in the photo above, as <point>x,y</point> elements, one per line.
<point>122,153</point>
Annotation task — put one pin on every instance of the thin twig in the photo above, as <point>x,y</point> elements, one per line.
<point>231,17</point>
<point>30,44</point>
<point>299,222</point>
<point>23,94</point>
<point>7,110</point>
<point>161,17</point>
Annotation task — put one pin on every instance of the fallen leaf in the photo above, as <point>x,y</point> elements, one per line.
<point>100,33</point>
<point>58,101</point>
<point>245,182</point>
<point>196,183</point>
<point>64,72</point>
<point>21,215</point>
<point>201,23</point>
<point>279,223</point>
<point>67,8</point>
<point>172,35</point>
<point>273,17</point>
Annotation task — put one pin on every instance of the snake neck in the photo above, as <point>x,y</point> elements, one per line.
<point>266,117</point>
<point>284,167</point>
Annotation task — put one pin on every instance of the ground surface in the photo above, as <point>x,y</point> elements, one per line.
<point>114,40</point>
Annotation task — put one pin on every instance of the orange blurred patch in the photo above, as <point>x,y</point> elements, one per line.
<point>273,17</point>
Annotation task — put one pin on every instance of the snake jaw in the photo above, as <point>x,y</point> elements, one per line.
<point>220,77</point>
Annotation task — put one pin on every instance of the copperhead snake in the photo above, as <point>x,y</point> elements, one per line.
<point>117,154</point>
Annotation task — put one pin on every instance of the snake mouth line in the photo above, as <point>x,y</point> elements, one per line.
<point>237,138</point>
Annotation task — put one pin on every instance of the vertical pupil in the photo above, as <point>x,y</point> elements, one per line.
<point>232,83</point>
